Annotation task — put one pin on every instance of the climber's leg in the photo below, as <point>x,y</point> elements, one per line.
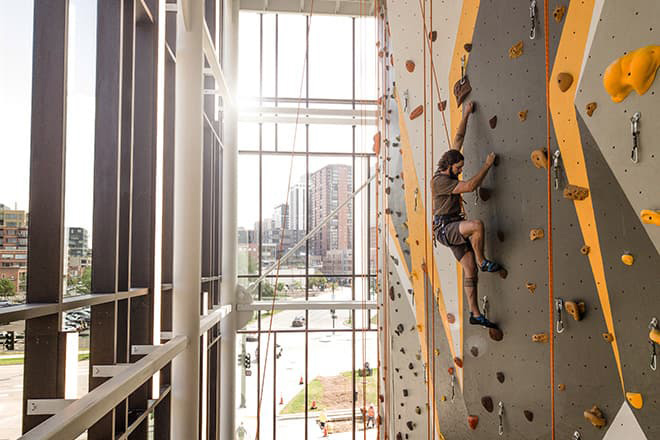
<point>470,274</point>
<point>474,231</point>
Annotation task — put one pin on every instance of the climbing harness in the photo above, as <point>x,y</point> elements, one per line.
<point>653,325</point>
<point>500,414</point>
<point>634,127</point>
<point>532,17</point>
<point>556,167</point>
<point>485,306</point>
<point>559,306</point>
<point>576,435</point>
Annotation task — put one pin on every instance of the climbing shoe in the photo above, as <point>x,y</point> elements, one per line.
<point>481,320</point>
<point>490,266</point>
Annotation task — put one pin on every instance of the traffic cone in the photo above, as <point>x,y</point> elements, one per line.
<point>281,399</point>
<point>301,381</point>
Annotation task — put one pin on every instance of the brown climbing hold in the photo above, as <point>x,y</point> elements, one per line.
<point>591,107</point>
<point>392,59</point>
<point>450,370</point>
<point>433,35</point>
<point>450,318</point>
<point>474,351</point>
<point>528,415</point>
<point>458,361</point>
<point>473,421</point>
<point>540,337</point>
<point>380,53</point>
<point>535,234</point>
<point>564,80</point>
<point>576,310</point>
<point>574,192</point>
<point>462,88</point>
<point>399,436</point>
<point>500,377</point>
<point>516,50</point>
<point>418,410</point>
<point>410,66</point>
<point>540,158</point>
<point>493,121</point>
<point>608,337</point>
<point>410,425</point>
<point>416,112</point>
<point>495,334</point>
<point>561,387</point>
<point>436,351</point>
<point>487,403</point>
<point>467,47</point>
<point>584,250</point>
<point>522,115</point>
<point>442,105</point>
<point>443,398</point>
<point>595,416</point>
<point>484,194</point>
<point>558,13</point>
<point>531,287</point>
<point>392,293</point>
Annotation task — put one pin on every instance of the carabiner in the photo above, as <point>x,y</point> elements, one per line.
<point>500,413</point>
<point>559,305</point>
<point>532,16</point>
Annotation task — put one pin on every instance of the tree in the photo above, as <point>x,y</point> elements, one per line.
<point>85,282</point>
<point>318,281</point>
<point>7,288</point>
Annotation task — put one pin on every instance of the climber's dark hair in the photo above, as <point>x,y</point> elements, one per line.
<point>448,159</point>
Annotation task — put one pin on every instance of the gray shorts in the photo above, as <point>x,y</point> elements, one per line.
<point>450,236</point>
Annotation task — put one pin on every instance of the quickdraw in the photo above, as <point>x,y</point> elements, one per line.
<point>556,167</point>
<point>532,16</point>
<point>485,306</point>
<point>463,69</point>
<point>634,128</point>
<point>652,326</point>
<point>559,306</point>
<point>500,414</point>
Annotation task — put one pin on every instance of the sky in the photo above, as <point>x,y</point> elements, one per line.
<point>329,68</point>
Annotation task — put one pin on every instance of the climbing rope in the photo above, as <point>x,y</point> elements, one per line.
<point>549,178</point>
<point>432,266</point>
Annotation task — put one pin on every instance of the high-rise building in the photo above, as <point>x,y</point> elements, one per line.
<point>13,246</point>
<point>297,205</point>
<point>328,188</point>
<point>78,239</point>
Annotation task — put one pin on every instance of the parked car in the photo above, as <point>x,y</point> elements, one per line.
<point>298,321</point>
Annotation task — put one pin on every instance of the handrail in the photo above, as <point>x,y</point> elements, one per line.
<point>307,305</point>
<point>80,415</point>
<point>214,316</point>
<point>35,310</point>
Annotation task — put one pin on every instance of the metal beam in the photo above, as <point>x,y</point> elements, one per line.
<point>308,120</point>
<point>303,111</point>
<point>216,69</point>
<point>79,415</point>
<point>307,305</point>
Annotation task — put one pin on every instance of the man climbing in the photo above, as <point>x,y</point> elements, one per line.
<point>465,238</point>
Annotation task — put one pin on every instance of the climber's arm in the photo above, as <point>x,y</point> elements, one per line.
<point>474,183</point>
<point>462,126</point>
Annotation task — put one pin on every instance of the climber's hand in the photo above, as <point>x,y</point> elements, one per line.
<point>490,160</point>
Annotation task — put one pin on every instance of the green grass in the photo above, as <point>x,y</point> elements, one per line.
<point>316,392</point>
<point>18,360</point>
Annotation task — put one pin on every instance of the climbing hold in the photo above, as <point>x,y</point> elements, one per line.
<point>410,366</point>
<point>484,194</point>
<point>474,351</point>
<point>500,235</point>
<point>473,421</point>
<point>516,50</point>
<point>540,158</point>
<point>540,337</point>
<point>608,337</point>
<point>416,112</point>
<point>595,416</point>
<point>493,121</point>
<point>528,415</point>
<point>410,425</point>
<point>591,107</point>
<point>627,259</point>
<point>420,327</point>
<point>531,287</point>
<point>380,53</point>
<point>584,250</point>
<point>450,370</point>
<point>443,398</point>
<point>436,352</point>
<point>442,105</point>
<point>458,361</point>
<point>487,403</point>
<point>405,392</point>
<point>654,333</point>
<point>399,329</point>
<point>450,318</point>
<point>650,217</point>
<point>522,115</point>
<point>392,293</point>
<point>564,81</point>
<point>410,66</point>
<point>462,88</point>
<point>561,387</point>
<point>535,234</point>
<point>495,334</point>
<point>558,13</point>
<point>376,146</point>
<point>392,59</point>
<point>399,436</point>
<point>635,400</point>
<point>418,410</point>
<point>433,35</point>
<point>500,376</point>
<point>575,192</point>
<point>576,310</point>
<point>467,47</point>
<point>635,70</point>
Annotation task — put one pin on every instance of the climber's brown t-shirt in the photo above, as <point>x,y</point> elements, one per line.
<point>444,202</point>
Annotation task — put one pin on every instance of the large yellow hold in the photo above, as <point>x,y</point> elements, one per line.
<point>635,70</point>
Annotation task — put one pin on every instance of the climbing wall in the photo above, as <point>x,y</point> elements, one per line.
<point>460,383</point>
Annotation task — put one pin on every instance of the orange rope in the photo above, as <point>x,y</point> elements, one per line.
<point>550,268</point>
<point>432,266</point>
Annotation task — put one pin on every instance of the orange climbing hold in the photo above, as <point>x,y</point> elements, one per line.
<point>451,318</point>
<point>540,337</point>
<point>535,234</point>
<point>584,250</point>
<point>591,107</point>
<point>416,112</point>
<point>633,71</point>
<point>473,421</point>
<point>608,337</point>
<point>558,13</point>
<point>516,50</point>
<point>561,387</point>
<point>540,158</point>
<point>522,115</point>
<point>650,217</point>
<point>574,192</point>
<point>635,400</point>
<point>627,259</point>
<point>576,310</point>
<point>564,81</point>
<point>595,416</point>
<point>654,335</point>
<point>458,361</point>
<point>531,287</point>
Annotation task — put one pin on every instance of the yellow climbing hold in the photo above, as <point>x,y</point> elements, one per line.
<point>635,70</point>
<point>654,335</point>
<point>420,327</point>
<point>635,400</point>
<point>650,217</point>
<point>627,259</point>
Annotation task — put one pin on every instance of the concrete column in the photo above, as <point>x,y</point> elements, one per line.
<point>229,238</point>
<point>187,245</point>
